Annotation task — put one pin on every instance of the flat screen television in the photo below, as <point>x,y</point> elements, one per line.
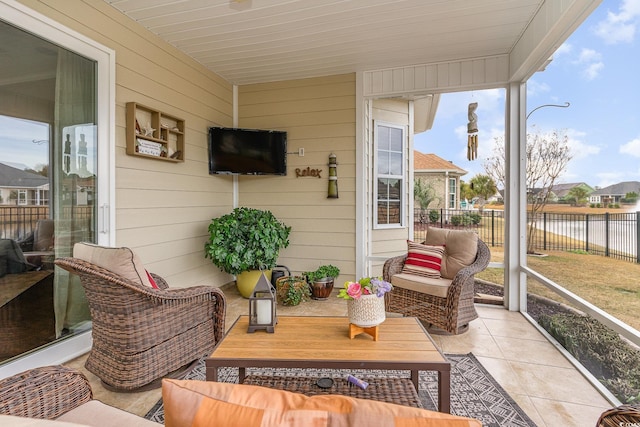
<point>247,151</point>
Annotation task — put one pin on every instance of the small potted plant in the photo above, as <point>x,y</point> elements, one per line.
<point>321,281</point>
<point>244,242</point>
<point>292,290</point>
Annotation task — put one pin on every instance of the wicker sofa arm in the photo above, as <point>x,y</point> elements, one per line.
<point>46,392</point>
<point>393,266</point>
<point>162,284</point>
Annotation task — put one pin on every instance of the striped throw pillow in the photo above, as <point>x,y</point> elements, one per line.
<point>423,260</point>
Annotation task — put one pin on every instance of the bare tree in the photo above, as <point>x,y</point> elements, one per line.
<point>547,158</point>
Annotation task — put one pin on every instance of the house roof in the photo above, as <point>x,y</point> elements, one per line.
<point>431,163</point>
<point>619,189</point>
<point>252,41</point>
<point>561,190</point>
<point>12,177</point>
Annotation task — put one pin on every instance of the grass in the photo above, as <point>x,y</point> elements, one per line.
<point>611,284</point>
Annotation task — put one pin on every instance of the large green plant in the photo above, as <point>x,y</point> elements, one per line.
<point>246,239</point>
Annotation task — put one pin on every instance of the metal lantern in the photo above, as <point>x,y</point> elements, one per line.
<point>262,307</point>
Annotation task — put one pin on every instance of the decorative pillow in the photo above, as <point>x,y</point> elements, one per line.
<point>208,403</point>
<point>461,248</point>
<point>121,261</point>
<point>423,260</point>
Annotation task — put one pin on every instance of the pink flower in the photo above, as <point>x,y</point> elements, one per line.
<point>354,290</point>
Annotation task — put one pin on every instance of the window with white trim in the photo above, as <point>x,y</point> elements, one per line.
<point>452,193</point>
<point>389,175</point>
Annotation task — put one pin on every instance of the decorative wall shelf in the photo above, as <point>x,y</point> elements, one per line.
<point>153,134</point>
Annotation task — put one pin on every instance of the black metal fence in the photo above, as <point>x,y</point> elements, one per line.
<point>613,235</point>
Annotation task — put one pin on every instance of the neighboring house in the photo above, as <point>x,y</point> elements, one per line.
<point>561,191</point>
<point>19,187</point>
<point>614,193</point>
<point>442,175</point>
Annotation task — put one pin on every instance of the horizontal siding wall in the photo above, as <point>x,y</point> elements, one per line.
<point>162,208</point>
<point>318,115</point>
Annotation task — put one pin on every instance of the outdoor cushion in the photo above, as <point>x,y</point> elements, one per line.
<point>208,403</point>
<point>122,261</point>
<point>425,285</point>
<point>423,260</point>
<point>96,413</point>
<point>460,249</point>
<point>13,421</point>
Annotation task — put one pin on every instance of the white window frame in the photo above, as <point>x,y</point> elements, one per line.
<point>402,177</point>
<point>22,197</point>
<point>33,22</point>
<point>452,194</point>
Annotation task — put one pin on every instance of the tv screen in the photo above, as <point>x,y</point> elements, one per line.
<point>247,151</point>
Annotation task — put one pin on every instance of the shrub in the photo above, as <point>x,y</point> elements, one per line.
<point>603,352</point>
<point>434,216</point>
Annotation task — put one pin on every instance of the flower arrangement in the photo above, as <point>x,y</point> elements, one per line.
<point>365,286</point>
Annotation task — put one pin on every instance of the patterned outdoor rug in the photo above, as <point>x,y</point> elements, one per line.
<point>474,393</point>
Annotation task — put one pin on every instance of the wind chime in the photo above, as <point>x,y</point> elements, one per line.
<point>472,130</point>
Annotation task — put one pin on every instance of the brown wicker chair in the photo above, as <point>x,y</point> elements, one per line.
<point>452,313</point>
<point>141,334</point>
<point>624,415</point>
<point>45,393</point>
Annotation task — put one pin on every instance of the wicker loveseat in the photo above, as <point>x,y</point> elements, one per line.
<point>58,393</point>
<point>445,301</point>
<point>141,334</point>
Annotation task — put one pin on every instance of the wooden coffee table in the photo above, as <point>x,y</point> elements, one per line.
<point>323,342</point>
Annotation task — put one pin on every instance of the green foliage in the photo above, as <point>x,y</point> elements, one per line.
<point>603,352</point>
<point>322,272</point>
<point>292,290</point>
<point>467,218</point>
<point>434,216</point>
<point>424,193</point>
<point>246,239</point>
<point>577,196</point>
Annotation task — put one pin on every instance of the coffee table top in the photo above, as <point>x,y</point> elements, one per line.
<point>313,339</point>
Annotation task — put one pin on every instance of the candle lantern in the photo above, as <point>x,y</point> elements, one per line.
<point>262,306</point>
<point>333,177</point>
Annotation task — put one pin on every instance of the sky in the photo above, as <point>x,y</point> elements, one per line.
<point>597,71</point>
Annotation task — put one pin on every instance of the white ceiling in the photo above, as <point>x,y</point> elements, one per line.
<point>250,41</point>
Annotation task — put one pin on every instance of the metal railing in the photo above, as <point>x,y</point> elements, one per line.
<point>615,235</point>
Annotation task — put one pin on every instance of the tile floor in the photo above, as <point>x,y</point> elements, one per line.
<point>536,375</point>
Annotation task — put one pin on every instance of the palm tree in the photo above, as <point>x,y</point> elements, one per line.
<point>483,187</point>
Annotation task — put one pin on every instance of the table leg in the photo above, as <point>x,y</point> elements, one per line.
<point>444,391</point>
<point>212,373</point>
<point>414,378</point>
<point>241,375</point>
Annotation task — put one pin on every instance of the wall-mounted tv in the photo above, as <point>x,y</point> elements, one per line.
<point>247,151</point>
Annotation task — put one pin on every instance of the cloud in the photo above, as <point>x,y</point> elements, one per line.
<point>632,148</point>
<point>620,27</point>
<point>609,178</point>
<point>564,49</point>
<point>591,60</point>
<point>535,88</point>
<point>579,148</point>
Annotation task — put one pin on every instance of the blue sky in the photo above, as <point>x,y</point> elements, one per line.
<point>597,71</point>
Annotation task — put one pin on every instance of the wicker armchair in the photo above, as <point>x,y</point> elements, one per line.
<point>451,313</point>
<point>624,415</point>
<point>44,393</point>
<point>141,334</point>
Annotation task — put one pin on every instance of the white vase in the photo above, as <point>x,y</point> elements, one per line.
<point>366,311</point>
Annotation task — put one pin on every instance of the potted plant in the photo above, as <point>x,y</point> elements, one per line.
<point>292,290</point>
<point>321,281</point>
<point>244,242</point>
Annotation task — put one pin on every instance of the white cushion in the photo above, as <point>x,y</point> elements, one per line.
<point>97,414</point>
<point>121,261</point>
<point>424,285</point>
<point>11,421</point>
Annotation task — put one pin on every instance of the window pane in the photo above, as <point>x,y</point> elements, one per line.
<point>395,163</point>
<point>383,162</point>
<point>394,212</point>
<point>383,138</point>
<point>395,189</point>
<point>383,213</point>
<point>383,189</point>
<point>395,139</point>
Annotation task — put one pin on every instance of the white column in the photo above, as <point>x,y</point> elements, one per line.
<point>515,251</point>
